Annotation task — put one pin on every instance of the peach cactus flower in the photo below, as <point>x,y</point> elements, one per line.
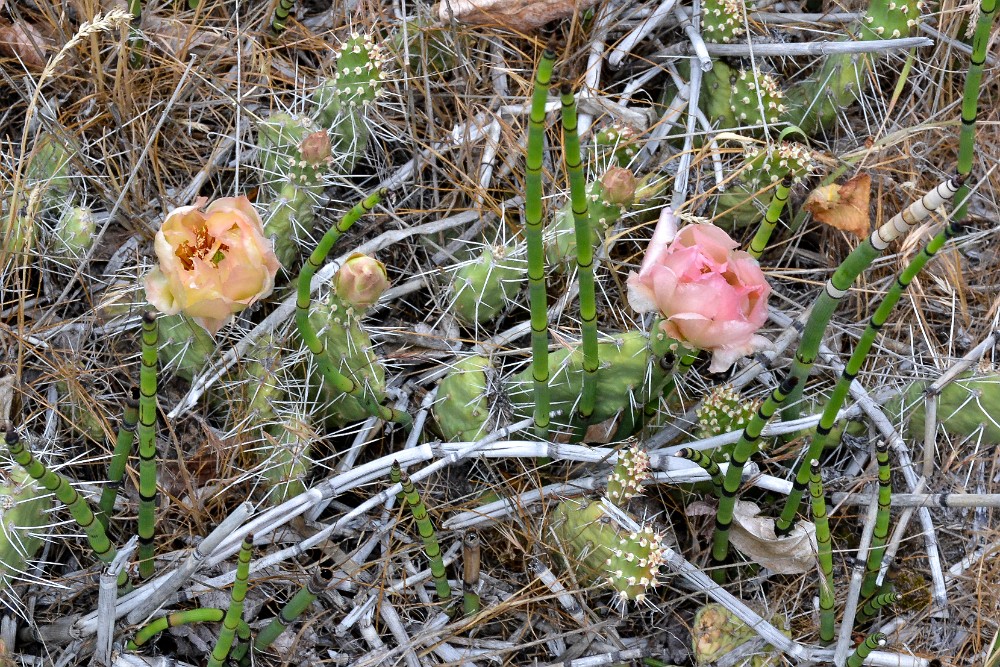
<point>212,264</point>
<point>711,295</point>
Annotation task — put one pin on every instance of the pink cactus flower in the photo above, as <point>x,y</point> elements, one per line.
<point>212,264</point>
<point>711,295</point>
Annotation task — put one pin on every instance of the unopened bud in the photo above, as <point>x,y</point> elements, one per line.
<point>315,148</point>
<point>361,280</point>
<point>619,186</point>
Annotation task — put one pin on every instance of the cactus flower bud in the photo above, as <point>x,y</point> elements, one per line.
<point>315,148</point>
<point>212,264</point>
<point>619,186</point>
<point>361,280</point>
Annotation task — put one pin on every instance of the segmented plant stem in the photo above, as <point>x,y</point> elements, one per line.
<point>881,533</point>
<point>147,445</point>
<point>706,462</point>
<point>745,448</point>
<point>851,369</point>
<point>200,615</point>
<point>842,279</point>
<point>234,614</point>
<point>280,20</point>
<point>426,530</point>
<point>537,297</point>
<point>470,573</point>
<point>61,488</point>
<point>970,100</point>
<point>331,375</point>
<point>872,607</point>
<point>824,554</point>
<point>584,252</point>
<point>770,221</point>
<point>291,611</point>
<point>119,458</point>
<point>864,649</point>
<point>135,41</point>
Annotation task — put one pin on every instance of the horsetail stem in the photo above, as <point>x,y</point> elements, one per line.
<point>864,649</point>
<point>291,611</point>
<point>234,614</point>
<point>537,297</point>
<point>193,4</point>
<point>842,279</point>
<point>872,607</point>
<point>119,458</point>
<point>770,221</point>
<point>744,449</point>
<point>60,487</point>
<point>135,41</point>
<point>470,573</point>
<point>331,375</point>
<point>970,100</point>
<point>426,530</point>
<point>881,532</point>
<point>280,20</point>
<point>584,251</point>
<point>200,615</point>
<point>824,554</point>
<point>147,445</point>
<point>706,462</point>
<point>851,369</point>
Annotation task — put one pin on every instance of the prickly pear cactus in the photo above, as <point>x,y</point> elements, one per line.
<point>74,232</point>
<point>24,518</point>
<point>629,376</point>
<point>484,286</point>
<point>462,409</point>
<point>723,411</point>
<point>716,632</point>
<point>756,98</point>
<point>185,347</point>
<point>50,171</point>
<point>964,406</point>
<point>627,562</point>
<point>630,472</point>
<point>743,203</point>
<point>722,21</point>
<point>616,145</point>
<point>285,459</point>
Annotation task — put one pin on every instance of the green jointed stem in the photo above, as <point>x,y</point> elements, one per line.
<point>331,375</point>
<point>537,297</point>
<point>707,463</point>
<point>60,487</point>
<point>970,99</point>
<point>147,445</point>
<point>291,611</point>
<point>471,562</point>
<point>584,251</point>
<point>872,607</point>
<point>824,554</point>
<point>123,447</point>
<point>135,41</point>
<point>234,614</point>
<point>770,221</point>
<point>201,615</point>
<point>881,532</point>
<point>281,12</point>
<point>784,523</point>
<point>745,448</point>
<point>426,530</point>
<point>864,649</point>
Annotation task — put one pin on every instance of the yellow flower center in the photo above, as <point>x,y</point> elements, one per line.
<point>205,247</point>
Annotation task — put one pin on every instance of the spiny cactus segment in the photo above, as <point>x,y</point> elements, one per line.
<point>24,508</point>
<point>462,409</point>
<point>722,21</point>
<point>724,410</point>
<point>483,287</point>
<point>616,144</point>
<point>185,347</point>
<point>628,475</point>
<point>627,562</point>
<point>756,99</point>
<point>766,165</point>
<point>964,407</point>
<point>716,631</point>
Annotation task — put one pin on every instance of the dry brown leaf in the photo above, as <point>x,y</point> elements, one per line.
<point>519,15</point>
<point>754,536</point>
<point>24,42</point>
<point>843,207</point>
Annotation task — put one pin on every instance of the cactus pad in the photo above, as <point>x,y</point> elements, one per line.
<point>722,21</point>
<point>754,91</point>
<point>716,631</point>
<point>462,409</point>
<point>23,517</point>
<point>485,286</point>
<point>763,166</point>
<point>629,473</point>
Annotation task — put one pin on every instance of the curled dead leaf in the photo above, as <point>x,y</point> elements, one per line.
<point>754,536</point>
<point>843,207</point>
<point>24,42</point>
<point>520,15</point>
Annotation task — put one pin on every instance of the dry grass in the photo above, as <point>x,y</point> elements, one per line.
<point>145,141</point>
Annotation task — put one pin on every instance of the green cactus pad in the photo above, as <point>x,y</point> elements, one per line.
<point>716,632</point>
<point>51,172</point>
<point>963,407</point>
<point>753,92</point>
<point>483,287</point>
<point>278,140</point>
<point>890,19</point>
<point>285,459</point>
<point>24,517</point>
<point>462,409</point>
<point>627,562</point>
<point>616,144</point>
<point>629,377</point>
<point>74,233</point>
<point>763,166</point>
<point>722,21</point>
<point>185,347</point>
<point>723,411</point>
<point>630,472</point>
